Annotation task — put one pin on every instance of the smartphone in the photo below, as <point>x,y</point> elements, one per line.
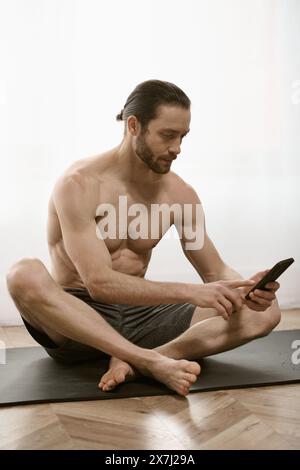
<point>272,275</point>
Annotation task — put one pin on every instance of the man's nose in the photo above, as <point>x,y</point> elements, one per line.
<point>175,149</point>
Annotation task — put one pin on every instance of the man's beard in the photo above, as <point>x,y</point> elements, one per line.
<point>144,152</point>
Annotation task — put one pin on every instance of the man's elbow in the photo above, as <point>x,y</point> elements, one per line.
<point>210,276</point>
<point>99,288</point>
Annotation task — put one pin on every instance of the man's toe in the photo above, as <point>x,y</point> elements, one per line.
<point>110,385</point>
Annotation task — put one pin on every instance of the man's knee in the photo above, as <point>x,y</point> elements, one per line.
<point>27,279</point>
<point>262,323</point>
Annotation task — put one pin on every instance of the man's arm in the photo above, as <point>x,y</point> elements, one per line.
<point>209,264</point>
<point>205,258</point>
<point>207,261</point>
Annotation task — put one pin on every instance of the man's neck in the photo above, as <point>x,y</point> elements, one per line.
<point>131,168</point>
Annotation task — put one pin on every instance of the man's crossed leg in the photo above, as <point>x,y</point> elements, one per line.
<point>45,305</point>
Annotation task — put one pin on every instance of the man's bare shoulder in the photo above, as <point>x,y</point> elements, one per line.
<point>87,169</point>
<point>84,174</point>
<point>182,192</point>
<point>78,188</point>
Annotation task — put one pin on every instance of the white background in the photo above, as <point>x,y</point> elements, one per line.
<point>66,69</point>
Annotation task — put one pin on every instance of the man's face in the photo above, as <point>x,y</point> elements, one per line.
<point>160,143</point>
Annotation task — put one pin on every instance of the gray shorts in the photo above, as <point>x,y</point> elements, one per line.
<point>145,326</point>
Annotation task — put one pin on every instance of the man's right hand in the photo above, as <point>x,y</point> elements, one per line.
<point>224,296</point>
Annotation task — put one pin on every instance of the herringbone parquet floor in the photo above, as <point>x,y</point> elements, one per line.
<point>254,418</point>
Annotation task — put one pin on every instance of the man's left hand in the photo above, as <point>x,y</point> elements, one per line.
<point>261,299</point>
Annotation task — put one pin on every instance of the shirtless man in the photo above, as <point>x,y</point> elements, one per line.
<point>96,301</point>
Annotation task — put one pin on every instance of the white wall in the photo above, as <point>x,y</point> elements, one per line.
<point>67,68</point>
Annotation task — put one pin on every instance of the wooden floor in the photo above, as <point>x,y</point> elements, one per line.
<point>254,418</point>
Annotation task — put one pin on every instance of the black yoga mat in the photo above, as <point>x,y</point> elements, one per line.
<point>31,376</point>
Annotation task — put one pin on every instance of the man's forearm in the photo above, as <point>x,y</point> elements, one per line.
<point>226,273</point>
<point>122,288</point>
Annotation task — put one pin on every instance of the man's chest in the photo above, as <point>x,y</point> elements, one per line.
<point>132,221</point>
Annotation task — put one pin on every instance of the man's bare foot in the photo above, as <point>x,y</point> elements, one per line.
<point>177,375</point>
<point>118,372</point>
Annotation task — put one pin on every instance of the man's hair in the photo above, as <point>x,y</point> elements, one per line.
<point>147,96</point>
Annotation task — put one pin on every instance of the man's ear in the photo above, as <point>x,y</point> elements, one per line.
<point>133,125</point>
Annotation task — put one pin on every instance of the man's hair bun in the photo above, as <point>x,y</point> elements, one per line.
<point>119,116</point>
